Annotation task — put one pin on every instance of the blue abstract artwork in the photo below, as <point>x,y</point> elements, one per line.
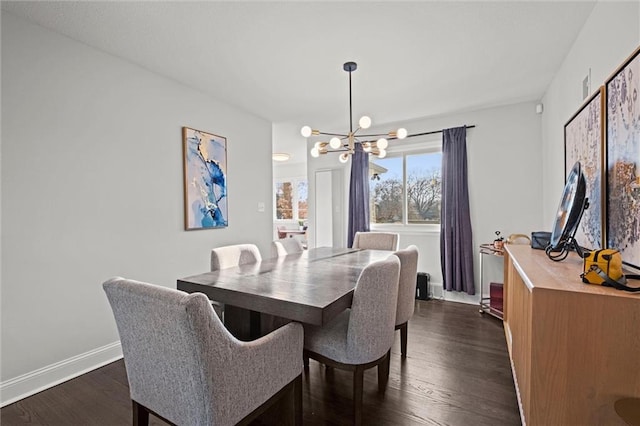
<point>205,179</point>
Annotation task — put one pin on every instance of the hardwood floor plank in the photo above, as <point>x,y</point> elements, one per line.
<point>457,372</point>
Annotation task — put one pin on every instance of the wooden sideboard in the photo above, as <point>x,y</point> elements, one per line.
<point>574,347</point>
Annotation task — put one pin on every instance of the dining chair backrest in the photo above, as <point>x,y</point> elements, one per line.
<point>184,365</point>
<point>376,240</point>
<point>234,255</point>
<point>371,331</point>
<point>361,337</point>
<point>407,283</point>
<point>285,247</point>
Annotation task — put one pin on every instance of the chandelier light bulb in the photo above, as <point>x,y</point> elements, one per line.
<point>382,143</point>
<point>315,153</point>
<point>401,133</point>
<point>365,122</point>
<point>382,153</point>
<point>335,142</point>
<point>305,131</point>
<point>344,157</point>
<point>366,147</point>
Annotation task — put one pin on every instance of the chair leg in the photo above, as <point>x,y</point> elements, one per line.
<point>403,339</point>
<point>383,372</point>
<point>297,401</point>
<point>140,414</point>
<point>358,378</point>
<point>388,361</point>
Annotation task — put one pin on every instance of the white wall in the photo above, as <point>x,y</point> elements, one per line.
<point>504,166</point>
<point>92,187</point>
<point>609,36</point>
<point>287,170</point>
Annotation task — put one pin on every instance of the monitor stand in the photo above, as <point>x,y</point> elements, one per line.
<point>561,254</point>
<point>570,243</point>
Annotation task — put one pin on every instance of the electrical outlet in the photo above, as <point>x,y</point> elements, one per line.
<point>261,206</point>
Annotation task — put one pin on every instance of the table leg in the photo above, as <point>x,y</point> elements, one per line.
<point>247,325</point>
<point>244,324</point>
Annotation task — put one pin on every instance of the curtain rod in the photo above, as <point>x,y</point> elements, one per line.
<point>436,131</point>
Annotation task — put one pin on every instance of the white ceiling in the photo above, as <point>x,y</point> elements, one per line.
<point>283,60</point>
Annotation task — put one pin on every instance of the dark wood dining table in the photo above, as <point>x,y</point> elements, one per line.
<point>310,287</point>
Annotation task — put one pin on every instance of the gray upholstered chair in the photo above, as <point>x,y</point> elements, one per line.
<point>280,248</point>
<point>234,255</point>
<point>228,257</point>
<point>406,292</point>
<point>360,337</point>
<point>376,240</point>
<point>185,367</point>
<point>285,247</point>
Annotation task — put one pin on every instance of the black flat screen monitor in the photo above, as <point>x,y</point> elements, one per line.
<point>572,205</point>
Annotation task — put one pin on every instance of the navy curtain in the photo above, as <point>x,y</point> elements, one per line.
<point>358,194</point>
<point>456,247</point>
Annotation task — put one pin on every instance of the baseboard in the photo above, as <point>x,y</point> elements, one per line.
<point>437,292</point>
<point>44,378</point>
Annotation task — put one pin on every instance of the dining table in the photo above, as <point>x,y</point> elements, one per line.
<point>310,287</point>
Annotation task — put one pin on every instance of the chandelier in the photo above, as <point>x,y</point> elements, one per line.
<point>374,144</point>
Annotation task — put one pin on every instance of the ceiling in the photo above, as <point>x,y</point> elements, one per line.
<point>283,60</point>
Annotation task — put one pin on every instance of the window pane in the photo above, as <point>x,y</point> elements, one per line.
<point>302,199</point>
<point>386,190</point>
<point>284,200</point>
<point>424,187</point>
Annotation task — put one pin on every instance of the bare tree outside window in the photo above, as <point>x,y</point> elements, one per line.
<point>284,200</point>
<point>386,190</point>
<point>424,189</point>
<point>421,193</point>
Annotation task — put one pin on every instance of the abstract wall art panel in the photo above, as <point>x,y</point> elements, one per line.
<point>205,179</point>
<point>623,160</point>
<point>583,142</point>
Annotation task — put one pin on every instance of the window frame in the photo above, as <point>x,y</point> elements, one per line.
<point>295,195</point>
<point>423,145</point>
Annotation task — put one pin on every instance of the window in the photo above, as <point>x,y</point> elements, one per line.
<point>406,188</point>
<point>291,199</point>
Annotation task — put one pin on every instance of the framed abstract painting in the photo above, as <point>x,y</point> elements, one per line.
<point>205,179</point>
<point>623,160</point>
<point>584,142</point>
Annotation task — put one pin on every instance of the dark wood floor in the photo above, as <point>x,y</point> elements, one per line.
<point>457,373</point>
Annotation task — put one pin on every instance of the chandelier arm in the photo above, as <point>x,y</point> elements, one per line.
<point>333,134</point>
<point>375,135</point>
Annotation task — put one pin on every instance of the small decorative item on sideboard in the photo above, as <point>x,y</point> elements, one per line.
<point>498,243</point>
